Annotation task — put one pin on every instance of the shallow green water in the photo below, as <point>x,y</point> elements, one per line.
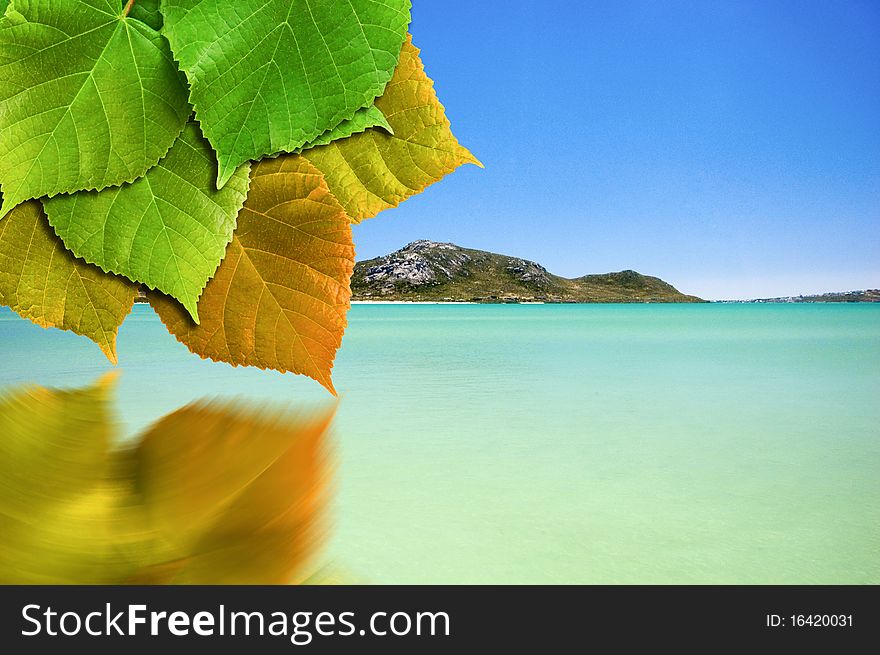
<point>596,444</point>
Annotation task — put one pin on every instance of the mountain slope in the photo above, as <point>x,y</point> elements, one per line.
<point>431,271</point>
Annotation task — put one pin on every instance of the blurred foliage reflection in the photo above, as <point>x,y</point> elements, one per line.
<point>213,493</point>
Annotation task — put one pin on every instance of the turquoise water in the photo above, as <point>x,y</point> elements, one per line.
<point>590,444</point>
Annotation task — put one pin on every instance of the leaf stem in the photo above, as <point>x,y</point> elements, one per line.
<point>128,7</point>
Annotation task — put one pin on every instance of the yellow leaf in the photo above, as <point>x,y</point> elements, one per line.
<point>46,284</point>
<point>55,510</point>
<point>53,443</point>
<point>280,296</point>
<point>375,170</point>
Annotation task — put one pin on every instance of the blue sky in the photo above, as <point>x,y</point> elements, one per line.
<point>731,148</point>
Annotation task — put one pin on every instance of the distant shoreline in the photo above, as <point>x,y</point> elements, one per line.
<point>144,301</point>
<point>416,302</point>
<point>627,302</point>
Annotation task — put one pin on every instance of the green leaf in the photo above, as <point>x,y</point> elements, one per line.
<point>374,171</point>
<point>47,285</point>
<point>88,99</point>
<point>168,230</point>
<point>146,11</point>
<point>269,76</point>
<point>364,119</point>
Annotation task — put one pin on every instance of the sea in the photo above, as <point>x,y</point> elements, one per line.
<point>715,443</point>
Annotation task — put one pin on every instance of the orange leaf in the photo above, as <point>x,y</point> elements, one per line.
<point>237,494</point>
<point>280,296</point>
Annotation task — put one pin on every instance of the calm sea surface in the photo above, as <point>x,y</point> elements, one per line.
<point>594,443</point>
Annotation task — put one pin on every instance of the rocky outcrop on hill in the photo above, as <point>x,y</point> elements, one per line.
<point>431,271</point>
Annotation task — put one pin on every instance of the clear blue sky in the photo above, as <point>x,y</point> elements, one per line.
<point>731,148</point>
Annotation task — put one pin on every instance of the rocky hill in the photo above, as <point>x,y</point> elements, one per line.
<point>431,271</point>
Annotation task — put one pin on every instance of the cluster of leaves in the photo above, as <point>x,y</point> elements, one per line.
<point>210,494</point>
<point>213,152</point>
